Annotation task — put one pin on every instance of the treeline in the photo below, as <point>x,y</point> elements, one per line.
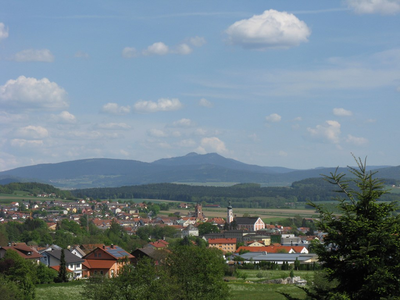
<point>242,195</point>
<point>34,188</point>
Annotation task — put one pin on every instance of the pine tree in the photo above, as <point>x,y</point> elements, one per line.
<point>361,248</point>
<point>62,273</point>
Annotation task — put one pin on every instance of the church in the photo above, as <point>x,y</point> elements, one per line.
<point>243,223</point>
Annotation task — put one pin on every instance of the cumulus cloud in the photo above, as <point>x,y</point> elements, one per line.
<point>31,93</point>
<point>129,52</point>
<point>32,132</point>
<point>26,143</point>
<point>330,131</point>
<point>384,7</point>
<point>212,144</point>
<point>115,109</point>
<point>205,103</point>
<point>64,117</point>
<point>358,141</point>
<point>341,112</point>
<point>273,118</point>
<point>183,123</point>
<point>43,55</point>
<point>3,31</point>
<point>156,49</point>
<point>161,48</point>
<point>183,49</point>
<point>118,126</point>
<point>272,29</point>
<point>163,104</point>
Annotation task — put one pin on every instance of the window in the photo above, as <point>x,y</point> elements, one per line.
<point>78,266</point>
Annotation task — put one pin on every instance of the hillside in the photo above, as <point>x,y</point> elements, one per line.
<point>192,168</point>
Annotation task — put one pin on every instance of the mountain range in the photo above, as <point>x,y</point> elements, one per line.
<point>192,168</point>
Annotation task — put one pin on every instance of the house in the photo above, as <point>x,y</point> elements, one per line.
<point>158,256</point>
<point>23,250</point>
<point>106,260</point>
<point>274,249</point>
<point>160,244</point>
<point>73,263</point>
<point>225,245</point>
<point>190,231</point>
<point>249,223</point>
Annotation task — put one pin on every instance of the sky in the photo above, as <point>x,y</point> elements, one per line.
<point>297,83</point>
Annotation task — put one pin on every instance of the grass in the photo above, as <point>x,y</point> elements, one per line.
<point>239,289</point>
<point>56,291</point>
<point>258,291</point>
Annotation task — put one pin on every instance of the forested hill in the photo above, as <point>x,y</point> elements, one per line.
<point>241,195</point>
<point>208,168</point>
<point>34,188</point>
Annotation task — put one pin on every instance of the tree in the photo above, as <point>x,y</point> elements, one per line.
<point>199,272</point>
<point>19,271</point>
<point>361,248</point>
<point>206,228</point>
<point>62,273</point>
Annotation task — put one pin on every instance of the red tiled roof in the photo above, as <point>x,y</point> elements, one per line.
<point>98,263</point>
<point>24,251</point>
<point>57,268</point>
<point>222,241</point>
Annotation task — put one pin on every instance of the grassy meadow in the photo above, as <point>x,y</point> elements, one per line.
<point>251,288</point>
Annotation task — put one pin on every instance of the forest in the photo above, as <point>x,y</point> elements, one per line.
<point>250,195</point>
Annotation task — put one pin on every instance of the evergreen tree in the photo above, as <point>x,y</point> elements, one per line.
<point>361,248</point>
<point>62,273</point>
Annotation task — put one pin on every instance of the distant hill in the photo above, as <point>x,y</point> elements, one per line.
<point>209,168</point>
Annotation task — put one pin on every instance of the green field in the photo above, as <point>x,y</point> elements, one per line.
<point>239,289</point>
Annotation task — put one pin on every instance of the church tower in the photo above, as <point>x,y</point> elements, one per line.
<point>229,216</point>
<point>199,212</point>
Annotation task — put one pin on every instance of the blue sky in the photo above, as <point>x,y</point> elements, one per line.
<point>298,84</point>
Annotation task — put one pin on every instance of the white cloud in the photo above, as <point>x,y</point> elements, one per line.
<point>156,49</point>
<point>129,52</point>
<point>3,31</point>
<point>212,144</point>
<point>298,119</point>
<point>43,55</point>
<point>384,7</point>
<point>64,117</point>
<point>205,103</point>
<point>157,133</point>
<point>183,123</point>
<point>26,143</point>
<point>330,131</point>
<point>121,126</point>
<point>358,141</point>
<point>161,48</point>
<point>32,132</point>
<point>197,41</point>
<point>31,93</point>
<point>183,49</point>
<point>115,109</point>
<point>163,104</point>
<point>81,54</point>
<point>341,112</point>
<point>272,29</point>
<point>273,118</point>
